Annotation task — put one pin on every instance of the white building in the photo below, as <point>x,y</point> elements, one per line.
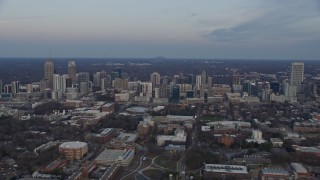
<point>178,137</point>
<point>256,137</point>
<point>110,156</point>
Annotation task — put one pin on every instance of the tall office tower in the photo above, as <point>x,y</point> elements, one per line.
<point>103,74</point>
<point>210,82</point>
<point>83,77</point>
<point>7,88</point>
<point>296,75</point>
<point>43,85</point>
<point>120,84</point>
<point>155,79</point>
<point>165,80</point>
<point>15,87</point>
<point>118,70</point>
<point>146,89</point>
<point>68,82</point>
<point>236,79</point>
<point>1,84</point>
<point>97,79</point>
<point>163,93</point>
<point>191,79</point>
<point>72,71</point>
<point>203,78</point>
<point>114,75</point>
<point>198,80</point>
<point>48,73</point>
<point>175,93</point>
<point>60,82</point>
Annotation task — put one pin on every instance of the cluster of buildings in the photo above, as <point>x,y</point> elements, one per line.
<point>219,171</point>
<point>189,89</point>
<point>118,152</point>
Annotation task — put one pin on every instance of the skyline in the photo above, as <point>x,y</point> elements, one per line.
<point>206,29</point>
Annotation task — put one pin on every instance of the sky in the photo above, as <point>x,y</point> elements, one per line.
<point>228,29</point>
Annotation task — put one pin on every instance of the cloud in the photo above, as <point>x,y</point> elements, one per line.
<point>280,23</point>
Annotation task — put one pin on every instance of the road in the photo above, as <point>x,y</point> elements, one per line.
<point>140,163</point>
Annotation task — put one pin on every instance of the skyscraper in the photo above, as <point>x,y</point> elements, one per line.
<point>48,73</point>
<point>203,78</point>
<point>72,71</point>
<point>296,75</point>
<point>155,79</point>
<point>1,89</point>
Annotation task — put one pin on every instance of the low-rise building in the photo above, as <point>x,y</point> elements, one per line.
<point>220,171</point>
<point>307,154</point>
<point>256,137</point>
<point>276,142</point>
<point>300,172</point>
<point>306,127</point>
<point>110,156</point>
<point>88,167</point>
<point>109,108</point>
<point>273,173</point>
<point>179,137</point>
<point>56,164</point>
<point>104,136</point>
<point>74,149</point>
<point>252,161</point>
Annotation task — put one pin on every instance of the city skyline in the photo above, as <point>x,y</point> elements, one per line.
<point>207,29</point>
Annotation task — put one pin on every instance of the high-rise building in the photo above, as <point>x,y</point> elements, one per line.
<point>48,73</point>
<point>175,93</point>
<point>198,80</point>
<point>1,85</point>
<point>83,77</point>
<point>191,79</point>
<point>72,71</point>
<point>15,87</point>
<point>155,79</point>
<point>203,78</point>
<point>7,88</point>
<point>60,82</point>
<point>118,70</point>
<point>210,81</point>
<point>296,75</point>
<point>165,80</point>
<point>146,89</point>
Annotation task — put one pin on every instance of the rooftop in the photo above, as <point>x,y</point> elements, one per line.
<point>73,144</point>
<point>114,154</point>
<point>276,171</point>
<point>127,137</point>
<point>298,168</point>
<point>307,149</point>
<point>226,168</point>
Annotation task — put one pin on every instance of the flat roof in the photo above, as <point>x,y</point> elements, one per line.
<point>276,171</point>
<point>179,118</point>
<point>307,149</point>
<point>298,168</point>
<point>114,154</point>
<point>276,140</point>
<point>226,168</point>
<point>73,144</point>
<point>108,105</point>
<point>127,137</point>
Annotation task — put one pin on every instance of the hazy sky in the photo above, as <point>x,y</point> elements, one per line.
<point>268,29</point>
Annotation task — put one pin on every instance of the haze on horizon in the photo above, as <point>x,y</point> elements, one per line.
<point>242,29</point>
